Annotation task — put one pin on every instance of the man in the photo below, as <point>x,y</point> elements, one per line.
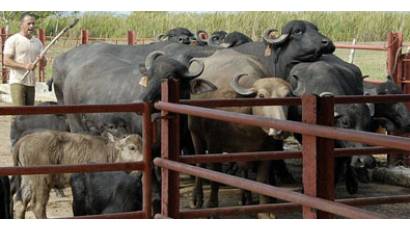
<point>20,52</point>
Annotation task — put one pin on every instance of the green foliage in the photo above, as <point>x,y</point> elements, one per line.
<point>340,26</point>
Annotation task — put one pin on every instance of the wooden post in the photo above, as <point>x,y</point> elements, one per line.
<point>3,68</point>
<point>42,38</point>
<point>84,37</point>
<point>131,38</point>
<point>318,157</point>
<point>170,150</point>
<point>394,43</point>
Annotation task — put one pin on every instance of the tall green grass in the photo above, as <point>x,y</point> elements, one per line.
<point>340,26</point>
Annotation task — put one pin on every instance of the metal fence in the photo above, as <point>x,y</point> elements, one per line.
<point>318,154</point>
<point>145,165</point>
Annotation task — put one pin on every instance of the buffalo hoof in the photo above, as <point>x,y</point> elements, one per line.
<point>212,204</point>
<point>246,198</point>
<point>352,186</point>
<point>266,215</point>
<point>363,175</point>
<point>197,200</point>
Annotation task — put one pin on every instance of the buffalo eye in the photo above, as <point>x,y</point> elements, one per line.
<point>298,32</point>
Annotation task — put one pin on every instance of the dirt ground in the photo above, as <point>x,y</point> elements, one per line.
<point>61,207</point>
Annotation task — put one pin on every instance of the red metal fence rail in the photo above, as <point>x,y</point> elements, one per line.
<point>318,156</point>
<point>144,166</point>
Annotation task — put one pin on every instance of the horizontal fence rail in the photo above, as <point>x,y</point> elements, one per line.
<point>62,109</point>
<point>291,126</point>
<point>119,215</point>
<point>287,207</point>
<point>294,101</point>
<point>279,155</point>
<point>280,193</point>
<point>129,166</point>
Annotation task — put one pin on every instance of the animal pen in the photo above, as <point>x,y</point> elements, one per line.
<point>318,154</point>
<point>318,200</point>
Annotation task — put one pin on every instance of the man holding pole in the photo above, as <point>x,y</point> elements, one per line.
<point>21,54</point>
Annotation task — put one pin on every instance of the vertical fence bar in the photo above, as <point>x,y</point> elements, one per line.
<point>318,158</point>
<point>147,146</point>
<point>131,38</point>
<point>3,68</point>
<point>170,150</point>
<point>84,37</point>
<point>394,43</point>
<point>42,38</point>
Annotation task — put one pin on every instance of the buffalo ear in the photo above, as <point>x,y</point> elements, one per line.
<point>199,86</point>
<point>143,70</point>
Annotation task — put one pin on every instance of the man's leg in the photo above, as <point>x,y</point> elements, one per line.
<point>30,94</point>
<point>17,94</point>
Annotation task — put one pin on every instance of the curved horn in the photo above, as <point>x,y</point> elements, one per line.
<point>324,94</point>
<point>274,41</point>
<point>226,45</point>
<point>239,89</point>
<point>190,74</point>
<point>151,57</point>
<point>162,37</point>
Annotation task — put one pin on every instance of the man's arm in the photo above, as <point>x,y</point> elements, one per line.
<point>9,62</point>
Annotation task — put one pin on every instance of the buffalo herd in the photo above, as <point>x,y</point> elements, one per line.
<point>297,61</point>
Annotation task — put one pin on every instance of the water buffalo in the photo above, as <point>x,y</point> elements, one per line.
<point>23,124</point>
<point>6,207</point>
<point>54,148</point>
<point>179,35</point>
<point>395,117</point>
<point>235,75</point>
<point>227,40</point>
<point>300,41</point>
<point>331,75</point>
<point>105,192</point>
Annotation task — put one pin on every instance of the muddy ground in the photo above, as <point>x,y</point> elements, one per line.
<point>61,207</point>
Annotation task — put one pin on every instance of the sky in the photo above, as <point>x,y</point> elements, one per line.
<point>208,5</point>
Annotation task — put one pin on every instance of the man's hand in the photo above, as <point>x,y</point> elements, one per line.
<point>30,67</point>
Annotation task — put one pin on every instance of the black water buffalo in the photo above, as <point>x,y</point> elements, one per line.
<point>105,192</point>
<point>227,40</point>
<point>392,116</point>
<point>300,41</point>
<point>6,207</point>
<point>23,124</point>
<point>331,75</point>
<point>119,84</point>
<point>179,35</point>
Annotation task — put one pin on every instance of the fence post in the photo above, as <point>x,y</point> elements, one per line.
<point>131,38</point>
<point>147,146</point>
<point>84,37</point>
<point>394,43</point>
<point>3,68</point>
<point>318,157</point>
<point>42,38</point>
<point>170,150</point>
